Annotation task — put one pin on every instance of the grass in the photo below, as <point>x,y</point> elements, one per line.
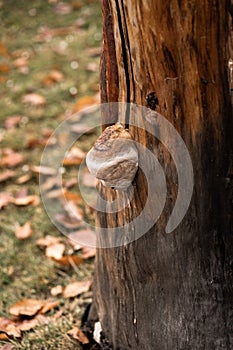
<point>68,43</point>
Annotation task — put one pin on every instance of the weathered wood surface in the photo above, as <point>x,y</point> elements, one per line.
<point>172,291</point>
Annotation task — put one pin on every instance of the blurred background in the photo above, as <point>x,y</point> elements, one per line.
<point>49,70</point>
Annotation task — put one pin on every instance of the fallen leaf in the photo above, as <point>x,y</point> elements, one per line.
<point>55,251</point>
<point>34,99</point>
<point>74,156</point>
<point>33,199</point>
<point>47,241</point>
<point>4,68</point>
<point>43,170</point>
<point>21,62</point>
<point>74,197</point>
<point>88,252</point>
<point>8,326</point>
<point>5,198</point>
<point>26,307</point>
<point>23,232</point>
<point>12,121</point>
<point>49,305</point>
<point>59,192</point>
<point>3,50</point>
<point>12,160</point>
<point>76,288</point>
<point>3,336</point>
<point>83,237</point>
<point>69,260</point>
<point>54,76</point>
<point>77,334</point>
<point>23,179</point>
<point>5,175</point>
<point>70,183</point>
<point>27,325</point>
<point>50,183</point>
<point>56,290</point>
<point>85,102</point>
<point>73,210</point>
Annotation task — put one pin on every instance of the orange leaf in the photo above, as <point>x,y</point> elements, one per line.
<point>26,307</point>
<point>88,252</point>
<point>11,160</point>
<point>5,198</point>
<point>8,326</point>
<point>23,232</point>
<point>22,201</point>
<point>74,156</point>
<point>69,260</point>
<point>77,334</point>
<point>26,325</point>
<point>55,251</point>
<point>8,174</point>
<point>84,102</point>
<point>23,179</point>
<point>54,76</point>
<point>76,288</point>
<point>49,305</point>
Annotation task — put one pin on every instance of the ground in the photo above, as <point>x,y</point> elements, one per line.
<point>49,69</point>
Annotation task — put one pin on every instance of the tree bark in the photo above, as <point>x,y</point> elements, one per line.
<point>171,291</point>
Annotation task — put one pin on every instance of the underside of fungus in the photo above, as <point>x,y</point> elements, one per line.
<point>114,158</point>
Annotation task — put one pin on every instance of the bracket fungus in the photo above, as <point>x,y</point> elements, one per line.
<point>114,158</point>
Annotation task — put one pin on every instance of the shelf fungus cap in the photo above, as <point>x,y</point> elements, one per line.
<point>114,158</point>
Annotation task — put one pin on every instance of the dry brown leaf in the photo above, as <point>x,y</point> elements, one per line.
<point>23,179</point>
<point>73,210</point>
<point>3,50</point>
<point>23,201</point>
<point>23,232</point>
<point>38,320</point>
<point>26,307</point>
<point>50,183</point>
<point>21,62</point>
<point>43,170</point>
<point>3,336</point>
<point>34,99</point>
<point>5,175</point>
<point>58,193</point>
<point>55,251</point>
<point>71,182</point>
<point>55,76</point>
<point>85,238</point>
<point>74,157</point>
<point>12,121</point>
<point>11,160</point>
<point>76,288</point>
<point>8,326</point>
<point>4,68</point>
<point>74,197</point>
<point>77,334</point>
<point>69,260</point>
<point>56,290</point>
<point>88,252</point>
<point>85,102</point>
<point>5,198</point>
<point>49,305</point>
<point>47,241</point>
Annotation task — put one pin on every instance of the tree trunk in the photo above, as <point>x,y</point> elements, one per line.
<point>171,290</point>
